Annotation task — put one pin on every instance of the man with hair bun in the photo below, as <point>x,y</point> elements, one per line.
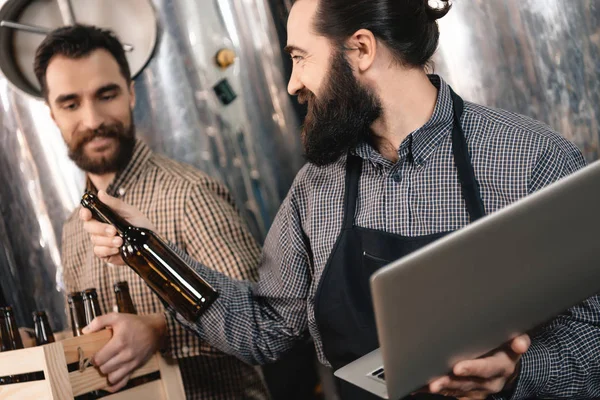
<point>383,180</point>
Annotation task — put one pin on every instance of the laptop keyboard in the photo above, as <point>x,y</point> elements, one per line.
<point>378,373</point>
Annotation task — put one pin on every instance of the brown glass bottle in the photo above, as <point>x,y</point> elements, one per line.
<point>13,329</point>
<point>41,325</point>
<point>5,344</point>
<point>77,313</point>
<point>14,341</point>
<point>175,282</point>
<point>90,305</point>
<point>124,301</point>
<point>5,340</point>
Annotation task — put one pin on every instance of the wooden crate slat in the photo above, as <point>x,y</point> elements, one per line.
<point>90,344</point>
<point>37,390</point>
<point>17,362</point>
<point>148,391</point>
<point>90,379</point>
<point>59,384</point>
<point>171,379</point>
<point>56,373</point>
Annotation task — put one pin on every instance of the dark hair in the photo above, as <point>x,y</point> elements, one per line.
<point>77,41</point>
<point>407,27</point>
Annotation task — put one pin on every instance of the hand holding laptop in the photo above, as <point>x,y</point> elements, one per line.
<point>480,378</point>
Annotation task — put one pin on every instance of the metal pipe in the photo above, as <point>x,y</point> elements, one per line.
<point>27,28</point>
<point>66,12</point>
<point>43,31</point>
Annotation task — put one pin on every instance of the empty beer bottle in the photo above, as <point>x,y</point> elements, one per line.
<point>77,313</point>
<point>14,341</point>
<point>5,341</point>
<point>175,282</point>
<point>90,305</point>
<point>13,329</point>
<point>41,326</point>
<point>124,301</point>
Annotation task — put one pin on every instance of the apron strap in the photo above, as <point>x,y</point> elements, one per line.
<point>466,174</point>
<point>353,170</point>
<point>462,160</point>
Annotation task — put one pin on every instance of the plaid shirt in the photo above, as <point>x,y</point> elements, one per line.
<point>512,155</point>
<point>196,213</point>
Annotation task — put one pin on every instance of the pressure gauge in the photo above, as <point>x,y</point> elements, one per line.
<point>24,24</point>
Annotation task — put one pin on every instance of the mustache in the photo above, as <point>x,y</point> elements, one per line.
<point>106,131</point>
<point>306,96</point>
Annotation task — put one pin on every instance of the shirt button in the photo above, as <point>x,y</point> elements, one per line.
<point>121,192</point>
<point>185,350</point>
<point>397,177</point>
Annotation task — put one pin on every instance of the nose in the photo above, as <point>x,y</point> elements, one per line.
<point>91,117</point>
<point>294,84</point>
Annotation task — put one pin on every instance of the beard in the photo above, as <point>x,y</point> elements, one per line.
<point>341,117</point>
<point>113,162</point>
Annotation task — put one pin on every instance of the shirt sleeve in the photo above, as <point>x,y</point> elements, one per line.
<point>564,358</point>
<point>214,234</point>
<point>259,321</point>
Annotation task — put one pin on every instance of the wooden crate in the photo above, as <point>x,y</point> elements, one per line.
<point>60,384</point>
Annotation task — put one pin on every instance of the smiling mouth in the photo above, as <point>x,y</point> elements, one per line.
<point>99,144</point>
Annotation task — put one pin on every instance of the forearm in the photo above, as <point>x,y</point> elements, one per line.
<point>254,328</point>
<point>564,358</point>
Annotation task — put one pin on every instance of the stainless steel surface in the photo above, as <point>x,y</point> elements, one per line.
<point>252,144</point>
<point>540,58</point>
<point>43,31</point>
<point>66,12</point>
<point>25,27</point>
<point>134,22</point>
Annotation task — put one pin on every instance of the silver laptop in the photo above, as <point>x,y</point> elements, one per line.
<point>477,288</point>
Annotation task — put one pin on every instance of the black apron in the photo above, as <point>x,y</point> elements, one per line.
<point>343,305</point>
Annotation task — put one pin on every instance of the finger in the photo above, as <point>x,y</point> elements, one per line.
<point>85,214</point>
<point>464,385</point>
<point>108,352</point>
<point>104,241</point>
<point>104,252</point>
<point>122,359</point>
<point>101,322</point>
<point>486,368</point>
<point>437,385</point>
<point>520,344</point>
<point>120,382</point>
<point>94,227</point>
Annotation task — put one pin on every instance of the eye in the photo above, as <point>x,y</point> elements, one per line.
<point>108,97</point>
<point>297,59</point>
<point>70,106</point>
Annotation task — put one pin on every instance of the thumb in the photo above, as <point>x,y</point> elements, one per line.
<point>520,344</point>
<point>101,322</point>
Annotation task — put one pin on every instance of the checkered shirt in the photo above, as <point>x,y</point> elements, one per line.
<point>197,214</point>
<point>512,156</point>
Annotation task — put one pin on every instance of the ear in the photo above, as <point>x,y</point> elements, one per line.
<point>132,95</point>
<point>361,49</point>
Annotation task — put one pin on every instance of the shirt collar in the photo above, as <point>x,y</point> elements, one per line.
<point>421,143</point>
<point>130,174</point>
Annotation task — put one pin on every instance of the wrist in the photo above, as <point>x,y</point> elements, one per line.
<point>158,323</point>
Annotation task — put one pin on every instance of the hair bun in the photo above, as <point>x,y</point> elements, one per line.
<point>436,9</point>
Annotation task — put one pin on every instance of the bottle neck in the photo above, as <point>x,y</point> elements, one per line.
<point>103,213</point>
<point>124,303</point>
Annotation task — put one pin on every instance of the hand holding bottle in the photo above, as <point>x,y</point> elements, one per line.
<point>104,236</point>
